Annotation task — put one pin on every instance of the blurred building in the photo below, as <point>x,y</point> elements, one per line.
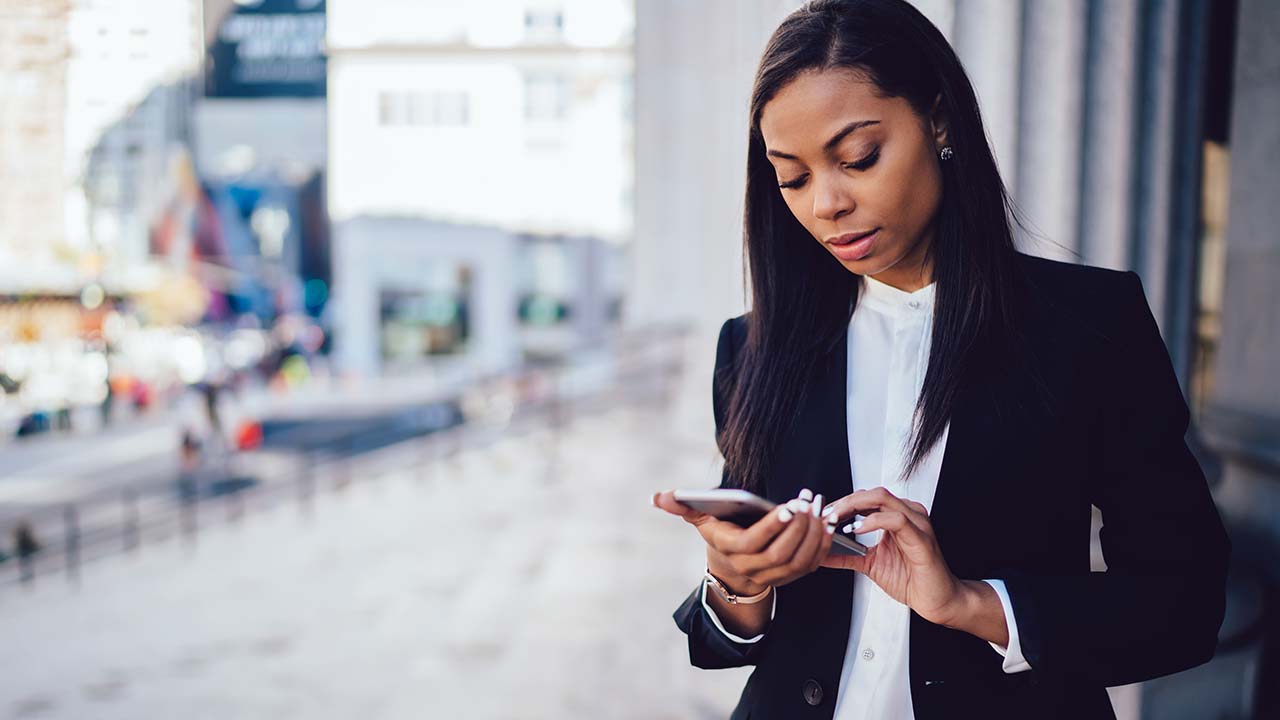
<point>93,117</point>
<point>94,133</point>
<point>128,126</point>
<point>1132,135</point>
<point>260,134</point>
<point>34,46</point>
<point>478,140</point>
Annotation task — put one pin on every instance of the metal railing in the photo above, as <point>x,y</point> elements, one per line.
<point>639,366</point>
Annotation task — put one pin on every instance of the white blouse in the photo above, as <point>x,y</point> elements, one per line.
<point>888,352</point>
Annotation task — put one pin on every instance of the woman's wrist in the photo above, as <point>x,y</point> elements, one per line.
<point>738,584</point>
<point>977,611</point>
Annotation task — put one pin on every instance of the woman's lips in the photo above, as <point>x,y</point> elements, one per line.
<point>854,250</point>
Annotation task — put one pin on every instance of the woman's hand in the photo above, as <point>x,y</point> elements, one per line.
<point>907,562</point>
<point>784,545</point>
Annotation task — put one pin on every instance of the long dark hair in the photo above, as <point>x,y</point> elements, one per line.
<point>802,298</point>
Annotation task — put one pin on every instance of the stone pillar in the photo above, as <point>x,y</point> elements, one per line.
<point>1052,91</point>
<point>694,65</point>
<point>1111,74</point>
<point>1242,421</point>
<point>988,39</point>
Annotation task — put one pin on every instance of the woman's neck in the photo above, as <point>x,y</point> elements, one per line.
<point>908,278</point>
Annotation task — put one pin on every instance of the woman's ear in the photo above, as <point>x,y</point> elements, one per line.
<point>938,123</point>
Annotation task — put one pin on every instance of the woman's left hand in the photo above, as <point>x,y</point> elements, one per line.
<point>907,562</point>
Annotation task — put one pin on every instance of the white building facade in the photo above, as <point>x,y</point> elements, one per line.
<point>93,98</point>
<point>467,118</point>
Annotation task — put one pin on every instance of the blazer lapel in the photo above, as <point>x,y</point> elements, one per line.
<point>972,426</point>
<point>997,428</point>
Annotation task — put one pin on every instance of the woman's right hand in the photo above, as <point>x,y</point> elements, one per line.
<point>784,545</point>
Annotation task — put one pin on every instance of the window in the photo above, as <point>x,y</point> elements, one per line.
<point>544,25</point>
<point>546,96</point>
<point>436,108</point>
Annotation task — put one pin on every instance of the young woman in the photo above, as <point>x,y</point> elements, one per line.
<point>968,402</point>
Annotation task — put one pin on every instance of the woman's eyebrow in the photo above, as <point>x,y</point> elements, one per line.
<point>835,139</point>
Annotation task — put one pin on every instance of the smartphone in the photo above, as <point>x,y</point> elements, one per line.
<point>743,508</point>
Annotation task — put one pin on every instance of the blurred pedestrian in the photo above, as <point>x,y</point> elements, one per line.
<point>190,453</point>
<point>26,545</point>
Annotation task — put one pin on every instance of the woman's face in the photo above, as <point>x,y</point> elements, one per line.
<point>849,162</point>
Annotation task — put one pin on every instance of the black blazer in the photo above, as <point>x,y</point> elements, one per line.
<point>1013,502</point>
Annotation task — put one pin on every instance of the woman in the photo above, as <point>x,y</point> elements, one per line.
<point>969,402</point>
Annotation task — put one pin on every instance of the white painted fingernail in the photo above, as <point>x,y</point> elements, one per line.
<point>828,510</point>
<point>817,504</point>
<point>794,505</point>
<point>831,529</point>
<point>857,524</point>
<point>805,494</point>
<point>784,515</point>
<point>847,528</point>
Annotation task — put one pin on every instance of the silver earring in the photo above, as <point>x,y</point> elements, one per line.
<point>945,153</point>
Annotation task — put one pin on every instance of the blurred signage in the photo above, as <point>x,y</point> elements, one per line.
<point>268,48</point>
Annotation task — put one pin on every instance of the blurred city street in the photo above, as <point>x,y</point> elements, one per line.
<point>487,585</point>
<point>343,342</point>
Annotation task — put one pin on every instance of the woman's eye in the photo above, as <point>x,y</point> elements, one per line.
<point>865,162</point>
<point>862,164</point>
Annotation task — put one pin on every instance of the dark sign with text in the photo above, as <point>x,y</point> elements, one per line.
<point>268,48</point>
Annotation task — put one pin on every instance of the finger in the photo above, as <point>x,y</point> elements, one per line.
<point>779,552</point>
<point>859,501</point>
<point>857,563</point>
<point>666,500</point>
<point>878,498</point>
<point>824,546</point>
<point>756,537</point>
<point>919,516</point>
<point>894,522</point>
<point>800,561</point>
<point>809,554</point>
<point>715,532</point>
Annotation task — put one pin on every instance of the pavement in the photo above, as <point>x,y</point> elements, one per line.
<point>526,579</point>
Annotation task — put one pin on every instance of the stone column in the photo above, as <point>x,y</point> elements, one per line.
<point>1052,93</point>
<point>1242,421</point>
<point>988,39</point>
<point>694,65</point>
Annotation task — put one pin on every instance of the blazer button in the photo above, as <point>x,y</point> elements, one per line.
<point>812,692</point>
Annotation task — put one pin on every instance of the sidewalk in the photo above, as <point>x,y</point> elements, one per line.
<point>488,589</point>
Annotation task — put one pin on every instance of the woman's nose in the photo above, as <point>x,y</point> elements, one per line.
<point>830,201</point>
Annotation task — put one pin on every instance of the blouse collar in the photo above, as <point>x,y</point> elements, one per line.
<point>887,297</point>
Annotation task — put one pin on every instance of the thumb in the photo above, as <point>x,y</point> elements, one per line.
<point>845,562</point>
<point>666,500</point>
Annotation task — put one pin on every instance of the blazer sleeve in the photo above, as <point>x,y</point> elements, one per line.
<point>1158,607</point>
<point>708,647</point>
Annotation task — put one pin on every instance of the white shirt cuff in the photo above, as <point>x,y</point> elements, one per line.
<point>773,599</point>
<point>1014,662</point>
